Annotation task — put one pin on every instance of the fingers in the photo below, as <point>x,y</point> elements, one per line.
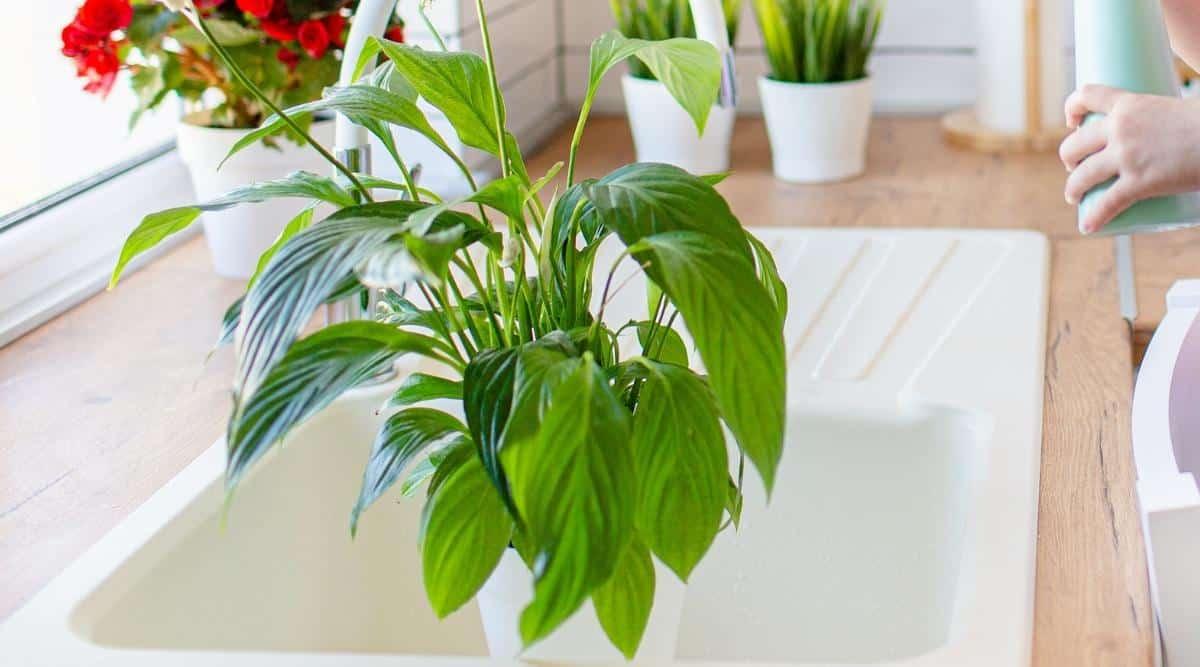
<point>1091,172</point>
<point>1090,99</point>
<point>1086,141</point>
<point>1107,206</point>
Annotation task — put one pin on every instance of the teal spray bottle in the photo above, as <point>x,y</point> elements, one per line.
<point>1123,44</point>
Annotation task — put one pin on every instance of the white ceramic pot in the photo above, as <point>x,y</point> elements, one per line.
<point>818,131</point>
<point>237,236</point>
<point>580,639</point>
<point>664,132</point>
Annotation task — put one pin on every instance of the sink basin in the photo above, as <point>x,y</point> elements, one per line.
<point>902,530</point>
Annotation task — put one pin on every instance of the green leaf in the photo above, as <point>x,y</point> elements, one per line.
<point>573,485</point>
<point>404,436</point>
<point>420,387</point>
<point>314,372</point>
<point>667,347</point>
<point>454,83</point>
<point>768,275</point>
<point>643,199</point>
<point>229,322</point>
<point>227,33</point>
<point>158,226</point>
<point>465,530</point>
<point>682,466</point>
<point>487,402</point>
<point>370,106</point>
<point>538,373</point>
<point>506,195</point>
<point>301,222</point>
<point>737,332</point>
<point>623,603</point>
<point>690,69</point>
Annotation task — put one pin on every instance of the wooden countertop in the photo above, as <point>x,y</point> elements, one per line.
<point>103,405</point>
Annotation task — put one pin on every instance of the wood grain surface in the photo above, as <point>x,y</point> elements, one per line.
<point>101,406</point>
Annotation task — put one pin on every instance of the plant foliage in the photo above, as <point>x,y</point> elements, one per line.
<point>659,20</point>
<point>590,446</point>
<point>819,41</point>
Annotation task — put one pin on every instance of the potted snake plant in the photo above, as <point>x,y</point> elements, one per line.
<point>565,483</point>
<point>661,128</point>
<point>817,96</point>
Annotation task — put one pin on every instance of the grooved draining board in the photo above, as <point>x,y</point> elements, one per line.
<point>902,530</point>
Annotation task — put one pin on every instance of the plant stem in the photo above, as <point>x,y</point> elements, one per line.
<point>437,35</point>
<point>577,138</point>
<point>240,75</point>
<point>493,81</point>
<point>468,268</point>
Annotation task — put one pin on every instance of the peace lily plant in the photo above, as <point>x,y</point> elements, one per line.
<point>583,461</point>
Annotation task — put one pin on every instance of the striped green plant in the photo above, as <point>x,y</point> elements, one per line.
<point>657,20</point>
<point>819,41</point>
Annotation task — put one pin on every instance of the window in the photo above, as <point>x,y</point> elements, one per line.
<point>55,135</point>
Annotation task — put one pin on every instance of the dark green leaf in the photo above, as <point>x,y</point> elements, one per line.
<point>682,466</point>
<point>314,372</point>
<point>573,485</point>
<point>623,603</point>
<point>465,529</point>
<point>768,275</point>
<point>404,436</point>
<point>420,387</point>
<point>487,402</point>
<point>737,332</point>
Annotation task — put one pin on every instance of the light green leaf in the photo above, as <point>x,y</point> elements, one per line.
<point>404,436</point>
<point>737,332</point>
<point>768,275</point>
<point>301,222</point>
<point>682,466</point>
<point>573,486</point>
<point>465,530</point>
<point>158,226</point>
<point>667,346</point>
<point>506,195</point>
<point>689,68</point>
<point>421,387</point>
<point>643,199</point>
<point>314,372</point>
<point>623,603</point>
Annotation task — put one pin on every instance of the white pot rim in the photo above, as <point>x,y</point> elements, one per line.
<point>768,81</point>
<point>639,81</point>
<point>197,121</point>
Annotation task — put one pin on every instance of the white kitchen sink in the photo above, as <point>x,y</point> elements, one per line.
<point>902,530</point>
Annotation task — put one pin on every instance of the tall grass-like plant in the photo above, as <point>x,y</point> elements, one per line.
<point>583,460</point>
<point>657,20</point>
<point>819,41</point>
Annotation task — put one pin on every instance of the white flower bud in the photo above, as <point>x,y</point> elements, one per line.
<point>177,5</point>
<point>512,246</point>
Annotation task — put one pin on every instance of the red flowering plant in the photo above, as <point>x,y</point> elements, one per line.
<point>289,49</point>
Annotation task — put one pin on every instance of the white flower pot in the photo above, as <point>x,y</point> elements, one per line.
<point>664,132</point>
<point>580,639</point>
<point>818,131</point>
<point>237,236</point>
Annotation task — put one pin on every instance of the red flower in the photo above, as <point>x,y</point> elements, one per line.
<point>395,33</point>
<point>102,17</point>
<point>77,41</point>
<point>288,57</point>
<point>282,30</point>
<point>314,39</point>
<point>99,67</point>
<point>259,8</point>
<point>335,25</point>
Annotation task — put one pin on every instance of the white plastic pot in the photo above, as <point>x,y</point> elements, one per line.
<point>238,235</point>
<point>818,131</point>
<point>664,132</point>
<point>580,639</point>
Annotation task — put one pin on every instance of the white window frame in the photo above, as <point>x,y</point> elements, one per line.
<point>60,251</point>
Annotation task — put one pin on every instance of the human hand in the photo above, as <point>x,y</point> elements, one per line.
<point>1150,144</point>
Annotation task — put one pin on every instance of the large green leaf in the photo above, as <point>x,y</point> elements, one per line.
<point>465,529</point>
<point>573,485</point>
<point>404,436</point>
<point>643,199</point>
<point>158,226</point>
<point>690,69</point>
<point>455,83</point>
<point>306,270</point>
<point>682,466</point>
<point>487,401</point>
<point>768,275</point>
<point>623,603</point>
<point>506,195</point>
<point>737,331</point>
<point>314,372</point>
<point>421,387</point>
<point>539,371</point>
